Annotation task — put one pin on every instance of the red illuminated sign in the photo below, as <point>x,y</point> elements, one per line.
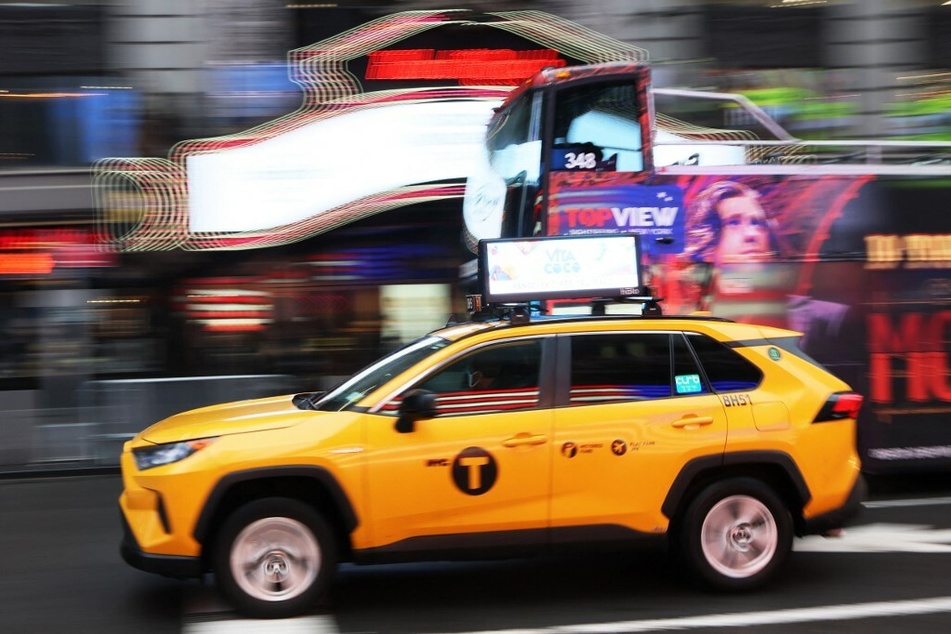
<point>39,251</point>
<point>26,263</point>
<point>499,67</point>
<point>42,238</point>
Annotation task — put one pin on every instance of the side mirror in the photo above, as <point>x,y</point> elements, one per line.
<point>416,405</point>
<point>306,400</point>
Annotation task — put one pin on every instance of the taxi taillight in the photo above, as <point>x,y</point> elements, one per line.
<point>840,405</point>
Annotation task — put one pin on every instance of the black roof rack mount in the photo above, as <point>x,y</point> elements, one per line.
<point>520,312</point>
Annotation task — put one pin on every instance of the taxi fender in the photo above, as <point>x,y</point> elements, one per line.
<point>701,469</point>
<point>322,479</point>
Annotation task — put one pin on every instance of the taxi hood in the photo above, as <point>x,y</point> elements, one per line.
<point>236,417</point>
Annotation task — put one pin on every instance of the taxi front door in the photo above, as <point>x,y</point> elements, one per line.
<point>476,475</point>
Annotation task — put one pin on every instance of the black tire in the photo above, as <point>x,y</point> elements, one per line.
<point>735,535</point>
<point>274,558</point>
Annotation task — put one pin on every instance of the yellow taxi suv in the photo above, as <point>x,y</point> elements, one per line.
<point>508,435</point>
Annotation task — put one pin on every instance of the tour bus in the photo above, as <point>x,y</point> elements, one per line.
<point>846,242</point>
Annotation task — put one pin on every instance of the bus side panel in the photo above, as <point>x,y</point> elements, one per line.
<point>860,265</point>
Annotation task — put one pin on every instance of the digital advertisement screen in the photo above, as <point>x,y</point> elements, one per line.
<point>527,269</point>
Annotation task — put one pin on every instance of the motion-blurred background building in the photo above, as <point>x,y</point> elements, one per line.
<point>97,343</point>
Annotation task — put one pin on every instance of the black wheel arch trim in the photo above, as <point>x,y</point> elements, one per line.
<point>319,474</point>
<point>692,469</point>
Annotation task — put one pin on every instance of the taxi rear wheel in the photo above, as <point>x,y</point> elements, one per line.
<point>275,558</point>
<point>735,535</point>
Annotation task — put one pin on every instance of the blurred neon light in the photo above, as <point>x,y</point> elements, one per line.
<point>48,95</point>
<point>226,304</point>
<point>151,204</point>
<point>26,263</point>
<point>330,163</point>
<point>43,238</point>
<point>469,66</point>
<point>39,251</point>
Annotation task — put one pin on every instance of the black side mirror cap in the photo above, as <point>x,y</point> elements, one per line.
<point>416,405</point>
<point>306,400</point>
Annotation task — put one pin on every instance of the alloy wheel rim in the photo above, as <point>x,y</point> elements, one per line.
<point>739,536</point>
<point>275,559</point>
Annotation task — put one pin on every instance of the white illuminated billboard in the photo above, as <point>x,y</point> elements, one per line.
<point>526,269</point>
<point>312,169</point>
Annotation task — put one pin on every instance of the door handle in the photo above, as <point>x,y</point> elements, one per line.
<point>523,440</point>
<point>688,421</point>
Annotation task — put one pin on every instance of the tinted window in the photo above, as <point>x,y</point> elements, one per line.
<point>726,370</point>
<point>602,120</point>
<point>791,345</point>
<point>619,367</point>
<point>493,379</point>
<point>688,379</point>
<point>514,126</point>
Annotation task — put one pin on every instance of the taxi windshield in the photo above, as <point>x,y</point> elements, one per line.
<point>347,394</point>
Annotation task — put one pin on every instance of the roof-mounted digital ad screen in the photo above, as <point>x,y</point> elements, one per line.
<point>519,270</point>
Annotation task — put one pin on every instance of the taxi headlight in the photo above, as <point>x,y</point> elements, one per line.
<point>158,455</point>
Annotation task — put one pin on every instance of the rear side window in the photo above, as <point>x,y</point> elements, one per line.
<point>620,367</point>
<point>688,379</point>
<point>726,370</point>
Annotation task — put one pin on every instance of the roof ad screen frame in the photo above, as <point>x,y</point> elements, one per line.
<point>519,270</point>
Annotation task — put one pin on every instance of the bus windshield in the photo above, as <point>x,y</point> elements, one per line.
<point>515,151</point>
<point>597,128</point>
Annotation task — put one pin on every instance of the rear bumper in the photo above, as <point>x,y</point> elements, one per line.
<point>840,516</point>
<point>166,565</point>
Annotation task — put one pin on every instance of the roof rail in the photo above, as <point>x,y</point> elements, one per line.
<point>521,312</point>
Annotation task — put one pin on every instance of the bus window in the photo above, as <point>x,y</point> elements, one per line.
<point>514,146</point>
<point>503,185</point>
<point>597,128</point>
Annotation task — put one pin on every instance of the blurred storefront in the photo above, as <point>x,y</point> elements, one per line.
<point>91,338</point>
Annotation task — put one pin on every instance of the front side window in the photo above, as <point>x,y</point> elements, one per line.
<point>496,378</point>
<point>503,184</point>
<point>621,367</point>
<point>514,143</point>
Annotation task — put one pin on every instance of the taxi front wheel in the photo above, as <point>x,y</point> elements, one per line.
<point>275,558</point>
<point>736,534</point>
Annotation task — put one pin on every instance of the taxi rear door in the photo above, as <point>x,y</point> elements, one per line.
<point>634,408</point>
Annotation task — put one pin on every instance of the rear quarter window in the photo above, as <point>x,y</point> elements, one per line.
<point>726,370</point>
<point>791,345</point>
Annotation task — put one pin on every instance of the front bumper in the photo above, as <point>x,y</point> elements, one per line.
<point>839,517</point>
<point>167,565</point>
